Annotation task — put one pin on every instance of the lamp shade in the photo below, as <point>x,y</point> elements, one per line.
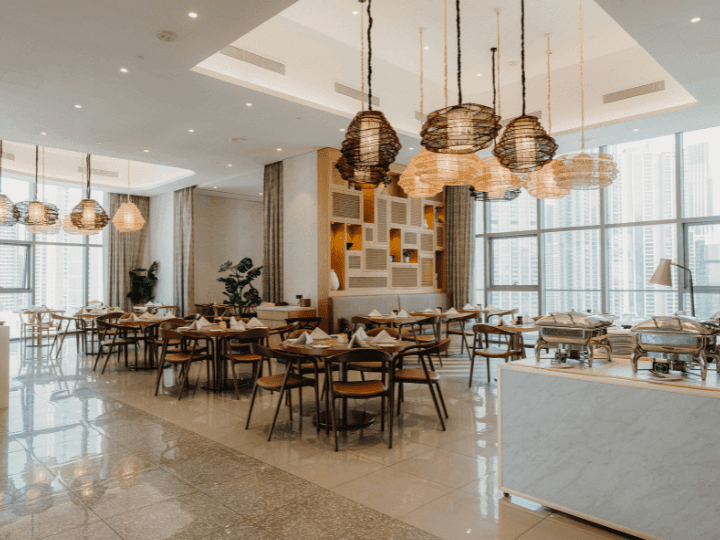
<point>9,214</point>
<point>440,170</point>
<point>370,147</point>
<point>543,184</point>
<point>88,215</point>
<point>585,170</point>
<point>128,218</point>
<point>524,146</point>
<point>493,177</point>
<point>460,129</point>
<point>413,183</point>
<point>662,275</point>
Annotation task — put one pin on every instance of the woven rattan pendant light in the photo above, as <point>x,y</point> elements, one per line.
<point>542,184</point>
<point>9,214</point>
<point>371,144</point>
<point>492,177</point>
<point>584,170</point>
<point>494,196</point>
<point>88,215</point>
<point>128,217</point>
<point>464,128</point>
<point>524,146</point>
<point>37,215</point>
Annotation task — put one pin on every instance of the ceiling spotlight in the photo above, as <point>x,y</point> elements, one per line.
<point>355,12</point>
<point>192,15</point>
<point>43,133</point>
<point>215,187</point>
<point>191,130</point>
<point>78,106</point>
<point>229,164</point>
<point>695,19</point>
<point>279,149</point>
<point>636,129</point>
<point>261,193</point>
<point>412,149</point>
<point>146,151</point>
<point>124,70</point>
<point>248,104</point>
<point>426,47</point>
<point>342,129</point>
<point>479,74</point>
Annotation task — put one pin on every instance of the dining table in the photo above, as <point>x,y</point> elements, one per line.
<point>89,318</point>
<point>517,330</point>
<point>37,316</point>
<point>149,331</point>
<point>324,348</point>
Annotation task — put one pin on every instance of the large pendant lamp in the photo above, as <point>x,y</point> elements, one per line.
<point>371,144</point>
<point>9,214</point>
<point>585,170</point>
<point>464,128</point>
<point>88,215</point>
<point>524,146</point>
<point>543,184</point>
<point>128,217</point>
<point>37,215</point>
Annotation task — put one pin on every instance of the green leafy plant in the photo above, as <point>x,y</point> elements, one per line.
<point>143,281</point>
<point>241,275</point>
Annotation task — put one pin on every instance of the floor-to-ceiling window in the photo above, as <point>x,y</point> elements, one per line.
<point>598,249</point>
<point>56,270</point>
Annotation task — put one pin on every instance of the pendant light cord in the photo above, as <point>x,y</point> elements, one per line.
<point>128,180</point>
<point>549,88</point>
<point>582,80</point>
<point>494,50</point>
<point>459,51</point>
<point>37,158</point>
<point>499,107</point>
<point>446,62</point>
<point>42,197</point>
<point>522,50</point>
<point>362,60</point>
<point>369,35</point>
<point>1,158</point>
<point>87,168</point>
<point>422,95</point>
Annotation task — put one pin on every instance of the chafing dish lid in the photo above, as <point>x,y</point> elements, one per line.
<point>678,324</point>
<point>575,319</point>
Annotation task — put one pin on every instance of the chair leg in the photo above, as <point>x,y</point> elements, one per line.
<point>442,400</point>
<point>289,403</point>
<point>317,403</point>
<point>487,361</point>
<point>472,368</point>
<point>159,376</point>
<point>382,413</point>
<point>252,402</point>
<point>186,373</point>
<point>237,390</point>
<point>437,406</point>
<point>334,418</point>
<point>399,398</point>
<point>97,359</point>
<point>277,411</point>
<point>300,400</point>
<point>107,359</point>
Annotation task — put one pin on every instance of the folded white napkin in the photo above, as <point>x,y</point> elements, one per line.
<point>157,317</point>
<point>390,315</point>
<point>95,312</point>
<point>145,316</point>
<point>116,309</point>
<point>375,313</point>
<point>357,342</point>
<point>468,307</point>
<point>501,322</point>
<point>451,311</point>
<point>429,311</point>
<point>318,334</point>
<point>255,323</point>
<point>527,319</point>
<point>382,337</point>
<point>490,307</point>
<point>83,311</point>
<point>238,324</point>
<point>360,332</point>
<point>135,318</point>
<point>403,314</point>
<point>170,315</point>
<point>202,322</point>
<point>304,339</point>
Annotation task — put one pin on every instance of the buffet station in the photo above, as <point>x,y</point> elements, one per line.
<point>632,444</point>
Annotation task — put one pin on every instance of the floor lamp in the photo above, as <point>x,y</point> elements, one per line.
<point>663,276</point>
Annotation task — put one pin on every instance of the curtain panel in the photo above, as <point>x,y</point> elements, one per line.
<point>273,233</point>
<point>124,250</point>
<point>459,217</point>
<point>184,252</point>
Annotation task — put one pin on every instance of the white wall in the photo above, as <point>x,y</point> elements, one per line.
<point>160,227</point>
<point>226,229</point>
<point>300,227</point>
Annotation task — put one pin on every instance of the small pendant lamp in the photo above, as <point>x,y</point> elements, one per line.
<point>128,217</point>
<point>371,144</point>
<point>464,128</point>
<point>524,146</point>
<point>584,170</point>
<point>494,196</point>
<point>9,214</point>
<point>37,215</point>
<point>543,184</point>
<point>88,215</point>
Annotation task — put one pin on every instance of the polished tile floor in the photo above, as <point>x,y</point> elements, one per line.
<point>99,457</point>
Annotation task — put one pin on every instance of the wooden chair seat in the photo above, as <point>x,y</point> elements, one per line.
<point>415,375</point>
<point>159,342</point>
<point>495,352</point>
<point>249,358</point>
<point>121,341</point>
<point>177,357</point>
<point>358,388</point>
<point>274,382</point>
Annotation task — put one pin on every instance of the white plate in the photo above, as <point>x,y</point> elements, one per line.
<point>384,344</point>
<point>319,346</point>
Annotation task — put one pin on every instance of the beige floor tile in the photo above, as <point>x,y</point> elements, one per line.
<point>392,492</point>
<point>447,468</point>
<point>486,487</point>
<point>330,469</point>
<point>549,530</point>
<point>585,526</point>
<point>93,531</point>
<point>457,516</point>
<point>483,445</point>
<point>278,452</point>
<point>400,451</point>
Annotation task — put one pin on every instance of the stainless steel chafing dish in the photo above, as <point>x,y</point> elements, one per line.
<point>581,332</point>
<point>677,336</point>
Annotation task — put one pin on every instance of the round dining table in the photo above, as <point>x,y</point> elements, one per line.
<point>517,331</point>
<point>324,348</point>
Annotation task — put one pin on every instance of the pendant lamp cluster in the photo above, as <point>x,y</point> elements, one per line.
<point>37,215</point>
<point>371,144</point>
<point>9,214</point>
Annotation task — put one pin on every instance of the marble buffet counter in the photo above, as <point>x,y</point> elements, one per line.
<point>606,445</point>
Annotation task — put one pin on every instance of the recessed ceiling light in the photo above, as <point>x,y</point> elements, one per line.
<point>78,106</point>
<point>229,164</point>
<point>355,12</point>
<point>426,47</point>
<point>124,70</point>
<point>215,187</point>
<point>192,15</point>
<point>146,151</point>
<point>248,104</point>
<point>43,133</point>
<point>279,149</point>
<point>261,193</point>
<point>191,130</point>
<point>636,129</point>
<point>342,129</point>
<point>479,74</point>
<point>695,19</point>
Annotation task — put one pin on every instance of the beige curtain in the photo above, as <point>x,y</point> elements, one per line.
<point>273,233</point>
<point>184,252</point>
<point>124,250</point>
<point>459,216</point>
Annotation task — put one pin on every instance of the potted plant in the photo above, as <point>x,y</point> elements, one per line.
<point>406,255</point>
<point>241,275</point>
<point>143,282</point>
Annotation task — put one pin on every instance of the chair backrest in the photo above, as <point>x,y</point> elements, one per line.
<point>392,331</point>
<point>251,336</point>
<point>104,325</point>
<point>282,330</point>
<point>296,334</point>
<point>489,329</point>
<point>307,323</point>
<point>256,348</point>
<point>432,319</point>
<point>360,355</point>
<point>110,316</point>
<point>423,350</point>
<point>168,329</point>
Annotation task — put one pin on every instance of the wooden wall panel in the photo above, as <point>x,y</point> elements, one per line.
<point>369,234</point>
<point>346,205</point>
<point>367,282</point>
<point>410,238</point>
<point>376,259</point>
<point>398,213</point>
<point>427,278</point>
<point>354,262</point>
<point>405,276</point>
<point>416,212</point>
<point>440,236</point>
<point>382,221</point>
<point>426,242</point>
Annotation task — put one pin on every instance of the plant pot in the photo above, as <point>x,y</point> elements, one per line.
<point>407,259</point>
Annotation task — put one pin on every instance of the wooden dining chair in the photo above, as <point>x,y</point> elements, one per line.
<point>112,338</point>
<point>237,351</point>
<point>421,375</point>
<point>64,330</point>
<point>374,367</point>
<point>305,323</point>
<point>503,350</point>
<point>361,389</point>
<point>290,380</point>
<point>424,332</point>
<point>457,327</point>
<point>283,331</point>
<point>184,354</point>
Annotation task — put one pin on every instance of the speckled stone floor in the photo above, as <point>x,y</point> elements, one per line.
<point>99,457</point>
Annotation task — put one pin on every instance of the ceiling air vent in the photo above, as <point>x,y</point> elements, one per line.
<point>538,114</point>
<point>658,86</point>
<point>355,94</point>
<point>99,172</point>
<point>255,59</point>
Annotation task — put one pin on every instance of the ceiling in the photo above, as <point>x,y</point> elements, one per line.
<point>59,54</point>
